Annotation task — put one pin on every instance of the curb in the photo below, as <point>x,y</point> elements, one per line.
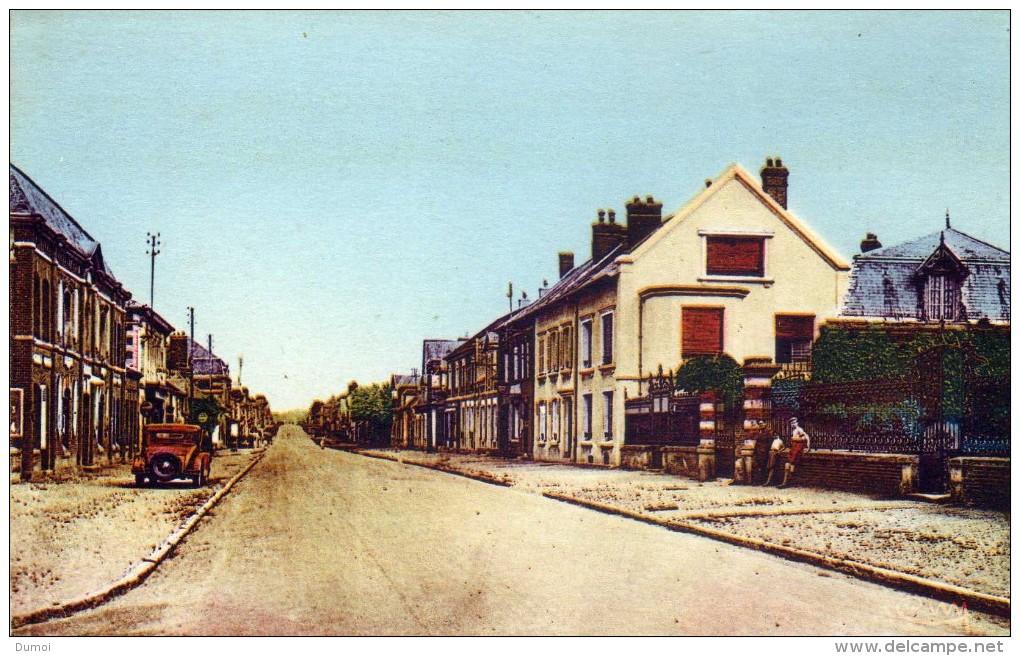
<point>969,599</point>
<point>482,478</point>
<point>137,572</point>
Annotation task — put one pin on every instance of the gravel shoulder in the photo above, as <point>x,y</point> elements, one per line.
<point>72,537</point>
<point>964,547</point>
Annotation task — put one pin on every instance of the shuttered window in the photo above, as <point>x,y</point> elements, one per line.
<point>794,326</point>
<point>735,256</point>
<point>701,331</point>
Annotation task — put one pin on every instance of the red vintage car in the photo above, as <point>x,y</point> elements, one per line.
<point>173,451</point>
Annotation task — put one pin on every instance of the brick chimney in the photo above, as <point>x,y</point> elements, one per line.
<point>870,243</point>
<point>643,218</point>
<point>177,352</point>
<point>605,236</point>
<point>566,262</point>
<point>773,180</point>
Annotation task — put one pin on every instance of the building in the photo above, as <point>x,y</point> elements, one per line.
<point>405,391</point>
<point>732,271</point>
<point>473,397</point>
<point>946,276</point>
<point>148,340</point>
<point>72,400</point>
<point>437,418</point>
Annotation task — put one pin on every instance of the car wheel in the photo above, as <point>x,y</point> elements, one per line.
<point>139,480</point>
<point>200,480</point>
<point>165,466</point>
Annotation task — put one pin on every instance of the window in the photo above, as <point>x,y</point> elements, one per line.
<point>47,317</point>
<point>735,256</point>
<point>586,343</point>
<point>554,351</point>
<point>36,308</point>
<point>941,298</point>
<point>541,354</point>
<point>794,334</point>
<point>554,411</point>
<point>607,338</point>
<point>542,416</point>
<point>701,331</point>
<point>568,420</point>
<point>607,415</point>
<point>567,359</point>
<point>586,417</point>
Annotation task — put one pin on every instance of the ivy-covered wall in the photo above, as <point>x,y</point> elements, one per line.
<point>852,351</point>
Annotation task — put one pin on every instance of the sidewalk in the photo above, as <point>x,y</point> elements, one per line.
<point>945,545</point>
<point>72,538</point>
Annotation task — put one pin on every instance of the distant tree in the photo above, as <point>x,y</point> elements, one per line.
<point>372,404</point>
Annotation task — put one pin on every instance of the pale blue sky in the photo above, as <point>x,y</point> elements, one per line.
<point>332,188</point>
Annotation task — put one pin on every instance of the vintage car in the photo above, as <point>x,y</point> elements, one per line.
<point>173,451</point>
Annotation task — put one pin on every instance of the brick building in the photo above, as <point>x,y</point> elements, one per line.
<point>73,401</point>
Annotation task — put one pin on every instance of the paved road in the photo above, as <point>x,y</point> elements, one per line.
<point>317,542</point>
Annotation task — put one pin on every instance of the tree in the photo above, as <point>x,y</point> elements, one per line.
<point>372,404</point>
<point>718,373</point>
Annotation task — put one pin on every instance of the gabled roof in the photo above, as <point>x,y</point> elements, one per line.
<point>738,173</point>
<point>26,197</point>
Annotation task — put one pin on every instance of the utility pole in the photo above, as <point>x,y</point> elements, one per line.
<point>240,368</point>
<point>510,295</point>
<point>191,365</point>
<point>154,243</point>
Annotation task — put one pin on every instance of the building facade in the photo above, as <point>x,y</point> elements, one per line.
<point>72,400</point>
<point>733,271</point>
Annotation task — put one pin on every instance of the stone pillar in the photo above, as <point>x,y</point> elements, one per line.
<point>706,448</point>
<point>752,454</point>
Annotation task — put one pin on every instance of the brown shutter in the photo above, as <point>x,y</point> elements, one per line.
<point>702,331</point>
<point>736,256</point>
<point>795,327</point>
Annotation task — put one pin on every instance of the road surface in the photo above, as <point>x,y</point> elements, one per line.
<point>315,542</point>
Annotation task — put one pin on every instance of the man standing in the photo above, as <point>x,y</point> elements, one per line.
<point>800,442</point>
<point>775,450</point>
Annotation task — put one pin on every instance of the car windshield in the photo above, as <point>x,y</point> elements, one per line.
<point>172,437</point>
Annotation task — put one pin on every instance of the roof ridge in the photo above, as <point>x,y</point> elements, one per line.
<point>59,207</point>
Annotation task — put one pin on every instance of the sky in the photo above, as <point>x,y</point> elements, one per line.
<point>331,188</point>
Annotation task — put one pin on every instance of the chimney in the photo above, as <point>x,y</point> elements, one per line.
<point>177,352</point>
<point>643,218</point>
<point>566,262</point>
<point>606,236</point>
<point>870,243</point>
<point>773,180</point>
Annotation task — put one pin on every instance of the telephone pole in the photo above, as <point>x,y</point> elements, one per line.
<point>240,368</point>
<point>153,243</point>
<point>191,366</point>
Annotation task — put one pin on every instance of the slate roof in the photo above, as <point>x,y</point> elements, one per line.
<point>26,197</point>
<point>205,363</point>
<point>882,283</point>
<point>575,280</point>
<point>437,349</point>
<point>403,380</point>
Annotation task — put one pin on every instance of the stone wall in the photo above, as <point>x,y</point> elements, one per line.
<point>881,474</point>
<point>980,481</point>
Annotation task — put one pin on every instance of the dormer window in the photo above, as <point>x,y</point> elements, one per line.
<point>939,280</point>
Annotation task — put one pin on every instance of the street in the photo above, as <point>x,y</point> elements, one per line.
<point>323,542</point>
